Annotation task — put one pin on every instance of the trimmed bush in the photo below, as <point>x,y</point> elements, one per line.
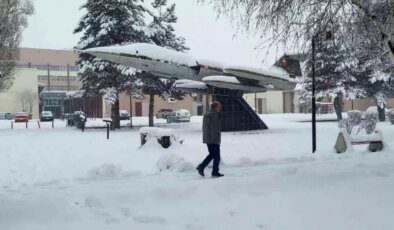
<point>354,117</point>
<point>391,116</point>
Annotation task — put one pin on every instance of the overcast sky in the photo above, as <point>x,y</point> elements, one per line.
<point>207,36</point>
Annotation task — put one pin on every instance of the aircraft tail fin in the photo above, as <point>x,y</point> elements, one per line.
<point>292,64</point>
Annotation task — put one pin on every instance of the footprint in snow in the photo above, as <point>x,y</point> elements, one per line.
<point>262,226</point>
<point>144,219</point>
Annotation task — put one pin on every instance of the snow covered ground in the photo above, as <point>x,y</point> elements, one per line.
<point>64,179</point>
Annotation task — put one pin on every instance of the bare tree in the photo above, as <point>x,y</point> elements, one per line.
<point>28,99</point>
<point>295,22</point>
<point>13,19</point>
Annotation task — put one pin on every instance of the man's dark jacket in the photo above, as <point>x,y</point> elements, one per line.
<point>211,128</point>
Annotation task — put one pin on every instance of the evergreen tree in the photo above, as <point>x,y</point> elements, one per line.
<point>372,80</point>
<point>331,74</point>
<point>163,34</point>
<point>372,66</point>
<point>110,22</point>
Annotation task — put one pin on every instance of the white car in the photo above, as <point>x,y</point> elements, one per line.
<point>182,115</point>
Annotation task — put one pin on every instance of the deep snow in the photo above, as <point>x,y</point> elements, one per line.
<point>64,179</point>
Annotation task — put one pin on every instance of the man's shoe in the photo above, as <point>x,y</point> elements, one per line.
<point>217,175</point>
<point>200,171</point>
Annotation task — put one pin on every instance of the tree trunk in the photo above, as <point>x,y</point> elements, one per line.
<point>115,114</point>
<point>391,29</point>
<point>338,105</point>
<point>382,113</point>
<point>151,109</point>
<point>131,111</point>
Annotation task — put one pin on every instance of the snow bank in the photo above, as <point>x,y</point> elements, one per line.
<point>148,50</point>
<point>173,162</point>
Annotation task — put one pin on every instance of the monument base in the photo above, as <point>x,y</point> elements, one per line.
<point>237,115</point>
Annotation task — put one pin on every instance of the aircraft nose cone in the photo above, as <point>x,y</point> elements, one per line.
<point>105,53</point>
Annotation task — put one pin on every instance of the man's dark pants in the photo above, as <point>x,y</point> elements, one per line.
<point>214,154</point>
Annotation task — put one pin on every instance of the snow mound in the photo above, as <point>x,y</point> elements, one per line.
<point>173,162</point>
<point>108,171</point>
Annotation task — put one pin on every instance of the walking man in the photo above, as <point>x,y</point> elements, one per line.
<point>211,128</point>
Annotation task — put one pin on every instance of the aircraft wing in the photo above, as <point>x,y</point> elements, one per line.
<point>191,86</point>
<point>230,82</point>
<point>276,77</point>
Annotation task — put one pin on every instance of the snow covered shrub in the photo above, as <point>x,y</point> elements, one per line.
<point>369,124</point>
<point>391,116</point>
<point>372,114</point>
<point>347,125</point>
<point>353,120</point>
<point>354,117</point>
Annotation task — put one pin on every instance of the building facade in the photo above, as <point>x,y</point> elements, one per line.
<point>274,102</point>
<point>23,96</point>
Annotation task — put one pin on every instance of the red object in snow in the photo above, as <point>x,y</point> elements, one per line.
<point>21,117</point>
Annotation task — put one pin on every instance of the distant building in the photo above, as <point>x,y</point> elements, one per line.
<point>23,84</point>
<point>273,102</point>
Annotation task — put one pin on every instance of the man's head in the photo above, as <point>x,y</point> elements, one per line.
<point>216,106</point>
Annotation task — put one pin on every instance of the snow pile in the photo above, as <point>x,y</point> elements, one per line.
<point>105,171</point>
<point>173,162</point>
<point>225,79</point>
<point>151,51</point>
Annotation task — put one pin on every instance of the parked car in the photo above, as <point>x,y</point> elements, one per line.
<point>182,115</point>
<point>46,116</point>
<point>3,116</point>
<point>21,117</point>
<point>164,113</point>
<point>124,115</point>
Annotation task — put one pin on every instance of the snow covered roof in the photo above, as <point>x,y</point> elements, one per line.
<point>226,79</point>
<point>150,51</point>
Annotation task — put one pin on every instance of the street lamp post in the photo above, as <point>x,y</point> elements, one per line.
<point>313,97</point>
<point>328,36</point>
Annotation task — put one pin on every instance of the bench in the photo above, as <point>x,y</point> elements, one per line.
<point>163,136</point>
<point>345,142</point>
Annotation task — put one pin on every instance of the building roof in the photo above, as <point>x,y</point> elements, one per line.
<point>47,56</point>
